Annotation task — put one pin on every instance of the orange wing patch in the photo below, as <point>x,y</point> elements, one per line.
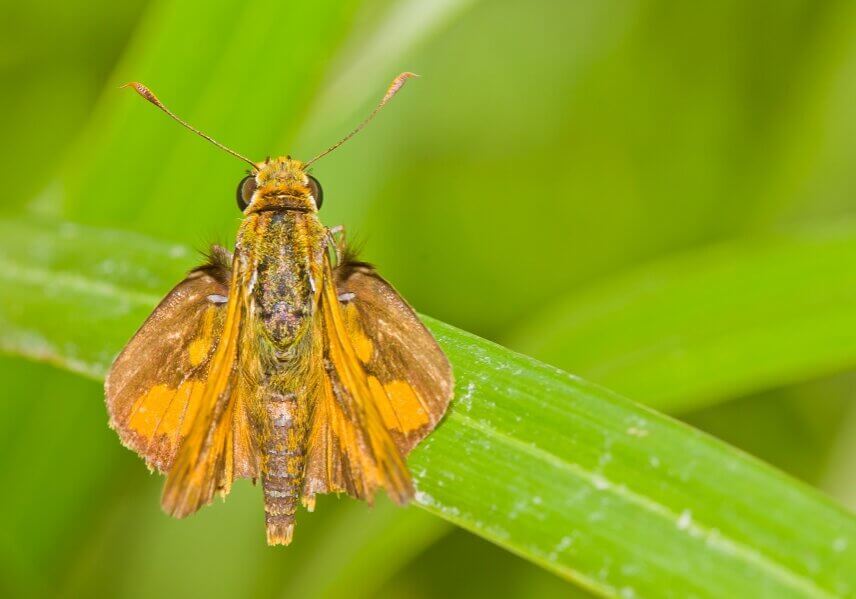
<point>162,417</point>
<point>200,348</point>
<point>399,406</point>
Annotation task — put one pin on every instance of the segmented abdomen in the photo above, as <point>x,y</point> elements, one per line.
<point>283,461</point>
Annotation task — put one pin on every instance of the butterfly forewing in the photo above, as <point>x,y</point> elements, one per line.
<point>387,386</point>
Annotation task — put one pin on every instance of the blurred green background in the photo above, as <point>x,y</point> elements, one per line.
<point>548,149</point>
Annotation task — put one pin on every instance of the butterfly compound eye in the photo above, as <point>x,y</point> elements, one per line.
<point>317,192</point>
<point>245,191</point>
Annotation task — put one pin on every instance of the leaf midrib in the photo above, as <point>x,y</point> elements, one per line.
<point>776,569</point>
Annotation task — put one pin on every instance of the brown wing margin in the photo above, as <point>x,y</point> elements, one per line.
<point>387,386</point>
<point>158,389</point>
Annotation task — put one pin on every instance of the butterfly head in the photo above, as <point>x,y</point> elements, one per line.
<point>279,183</point>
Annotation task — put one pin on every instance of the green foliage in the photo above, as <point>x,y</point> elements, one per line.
<point>710,324</point>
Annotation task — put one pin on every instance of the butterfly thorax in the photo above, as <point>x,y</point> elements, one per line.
<point>282,252</point>
<point>281,245</point>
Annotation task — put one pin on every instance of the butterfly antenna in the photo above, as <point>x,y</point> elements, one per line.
<point>151,97</point>
<point>396,85</point>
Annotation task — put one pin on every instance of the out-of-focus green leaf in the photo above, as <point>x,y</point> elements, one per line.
<point>364,553</point>
<point>54,442</point>
<point>711,324</point>
<point>596,136</point>
<point>795,428</point>
<point>595,488</point>
<point>839,474</point>
<point>51,81</point>
<point>462,565</point>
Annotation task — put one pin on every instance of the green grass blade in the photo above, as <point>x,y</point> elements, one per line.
<point>711,324</point>
<point>598,489</point>
<point>618,497</point>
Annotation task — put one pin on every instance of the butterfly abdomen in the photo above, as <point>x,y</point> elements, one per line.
<point>286,391</point>
<point>284,455</point>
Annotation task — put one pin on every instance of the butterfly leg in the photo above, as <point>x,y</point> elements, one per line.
<point>336,240</point>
